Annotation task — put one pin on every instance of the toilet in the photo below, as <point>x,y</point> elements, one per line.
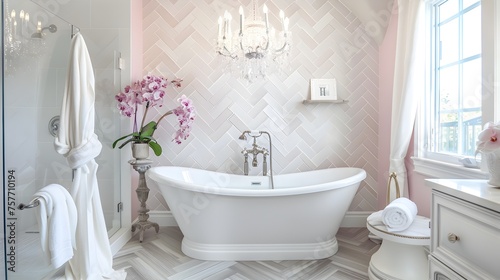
<point>402,255</point>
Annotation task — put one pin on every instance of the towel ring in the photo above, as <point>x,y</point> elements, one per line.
<point>398,195</point>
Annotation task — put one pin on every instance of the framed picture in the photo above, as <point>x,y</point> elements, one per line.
<point>323,89</point>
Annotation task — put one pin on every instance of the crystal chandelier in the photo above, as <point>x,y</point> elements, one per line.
<point>256,49</point>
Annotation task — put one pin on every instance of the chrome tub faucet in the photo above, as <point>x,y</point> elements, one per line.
<point>255,151</point>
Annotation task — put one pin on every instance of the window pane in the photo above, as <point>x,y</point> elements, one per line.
<point>449,42</point>
<point>467,3</point>
<point>472,32</point>
<point>472,127</point>
<point>448,90</point>
<point>471,83</point>
<point>447,9</point>
<point>448,111</point>
<point>448,133</point>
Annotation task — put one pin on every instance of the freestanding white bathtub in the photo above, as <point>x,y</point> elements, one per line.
<point>235,217</point>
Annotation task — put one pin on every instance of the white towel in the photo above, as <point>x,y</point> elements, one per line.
<point>419,228</point>
<point>399,214</point>
<point>56,217</point>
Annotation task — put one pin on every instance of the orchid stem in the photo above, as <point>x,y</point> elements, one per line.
<point>144,117</point>
<point>135,119</point>
<point>164,115</point>
<point>161,118</point>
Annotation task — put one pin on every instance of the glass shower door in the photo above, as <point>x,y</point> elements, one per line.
<point>35,61</point>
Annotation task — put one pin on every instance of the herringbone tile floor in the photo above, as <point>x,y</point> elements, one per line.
<point>159,257</point>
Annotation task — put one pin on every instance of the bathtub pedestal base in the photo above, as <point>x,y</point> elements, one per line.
<point>259,252</point>
<point>141,166</point>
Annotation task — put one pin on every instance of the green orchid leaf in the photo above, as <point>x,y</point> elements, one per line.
<point>156,148</point>
<point>148,129</point>
<point>125,143</point>
<point>121,138</point>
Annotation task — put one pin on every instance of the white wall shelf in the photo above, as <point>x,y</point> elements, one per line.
<point>338,101</point>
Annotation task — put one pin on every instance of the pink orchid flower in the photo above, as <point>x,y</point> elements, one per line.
<point>489,138</point>
<point>151,91</point>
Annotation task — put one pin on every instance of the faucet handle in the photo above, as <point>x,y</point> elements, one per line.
<point>245,151</point>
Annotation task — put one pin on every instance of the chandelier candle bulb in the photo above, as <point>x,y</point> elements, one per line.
<point>15,29</point>
<point>21,27</point>
<point>229,18</point>
<point>266,18</point>
<point>226,19</point>
<point>227,25</point>
<point>241,20</point>
<point>219,26</point>
<point>14,23</point>
<point>282,17</point>
<point>26,21</point>
<point>39,26</point>
<point>286,25</point>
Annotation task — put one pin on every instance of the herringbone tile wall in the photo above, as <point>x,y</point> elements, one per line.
<point>328,42</point>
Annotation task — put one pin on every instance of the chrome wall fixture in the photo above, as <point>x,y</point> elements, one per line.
<point>54,125</point>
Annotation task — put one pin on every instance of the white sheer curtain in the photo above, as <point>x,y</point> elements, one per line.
<point>409,85</point>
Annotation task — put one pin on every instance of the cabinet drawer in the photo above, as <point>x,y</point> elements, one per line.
<point>438,271</point>
<point>466,237</point>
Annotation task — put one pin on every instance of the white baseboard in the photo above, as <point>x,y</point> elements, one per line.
<point>162,218</point>
<point>119,239</point>
<point>351,219</point>
<point>355,219</point>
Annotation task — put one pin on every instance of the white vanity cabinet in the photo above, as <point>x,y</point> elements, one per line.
<point>465,230</point>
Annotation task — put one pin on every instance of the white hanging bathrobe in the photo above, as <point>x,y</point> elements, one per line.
<point>77,141</point>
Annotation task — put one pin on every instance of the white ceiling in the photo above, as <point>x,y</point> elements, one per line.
<point>373,14</point>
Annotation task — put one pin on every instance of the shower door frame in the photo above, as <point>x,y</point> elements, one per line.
<point>122,235</point>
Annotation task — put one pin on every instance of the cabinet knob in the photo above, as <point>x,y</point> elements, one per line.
<point>453,238</point>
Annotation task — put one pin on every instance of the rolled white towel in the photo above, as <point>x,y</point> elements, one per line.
<point>399,214</point>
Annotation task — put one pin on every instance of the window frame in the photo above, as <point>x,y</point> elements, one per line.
<point>439,165</point>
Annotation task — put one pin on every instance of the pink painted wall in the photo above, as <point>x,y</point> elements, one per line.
<point>136,67</point>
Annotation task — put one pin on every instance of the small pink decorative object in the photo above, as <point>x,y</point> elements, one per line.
<point>488,145</point>
<point>488,138</point>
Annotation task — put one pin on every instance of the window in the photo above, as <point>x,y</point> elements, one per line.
<point>452,111</point>
<point>460,92</point>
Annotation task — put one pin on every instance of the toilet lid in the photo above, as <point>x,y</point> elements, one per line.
<point>419,233</point>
